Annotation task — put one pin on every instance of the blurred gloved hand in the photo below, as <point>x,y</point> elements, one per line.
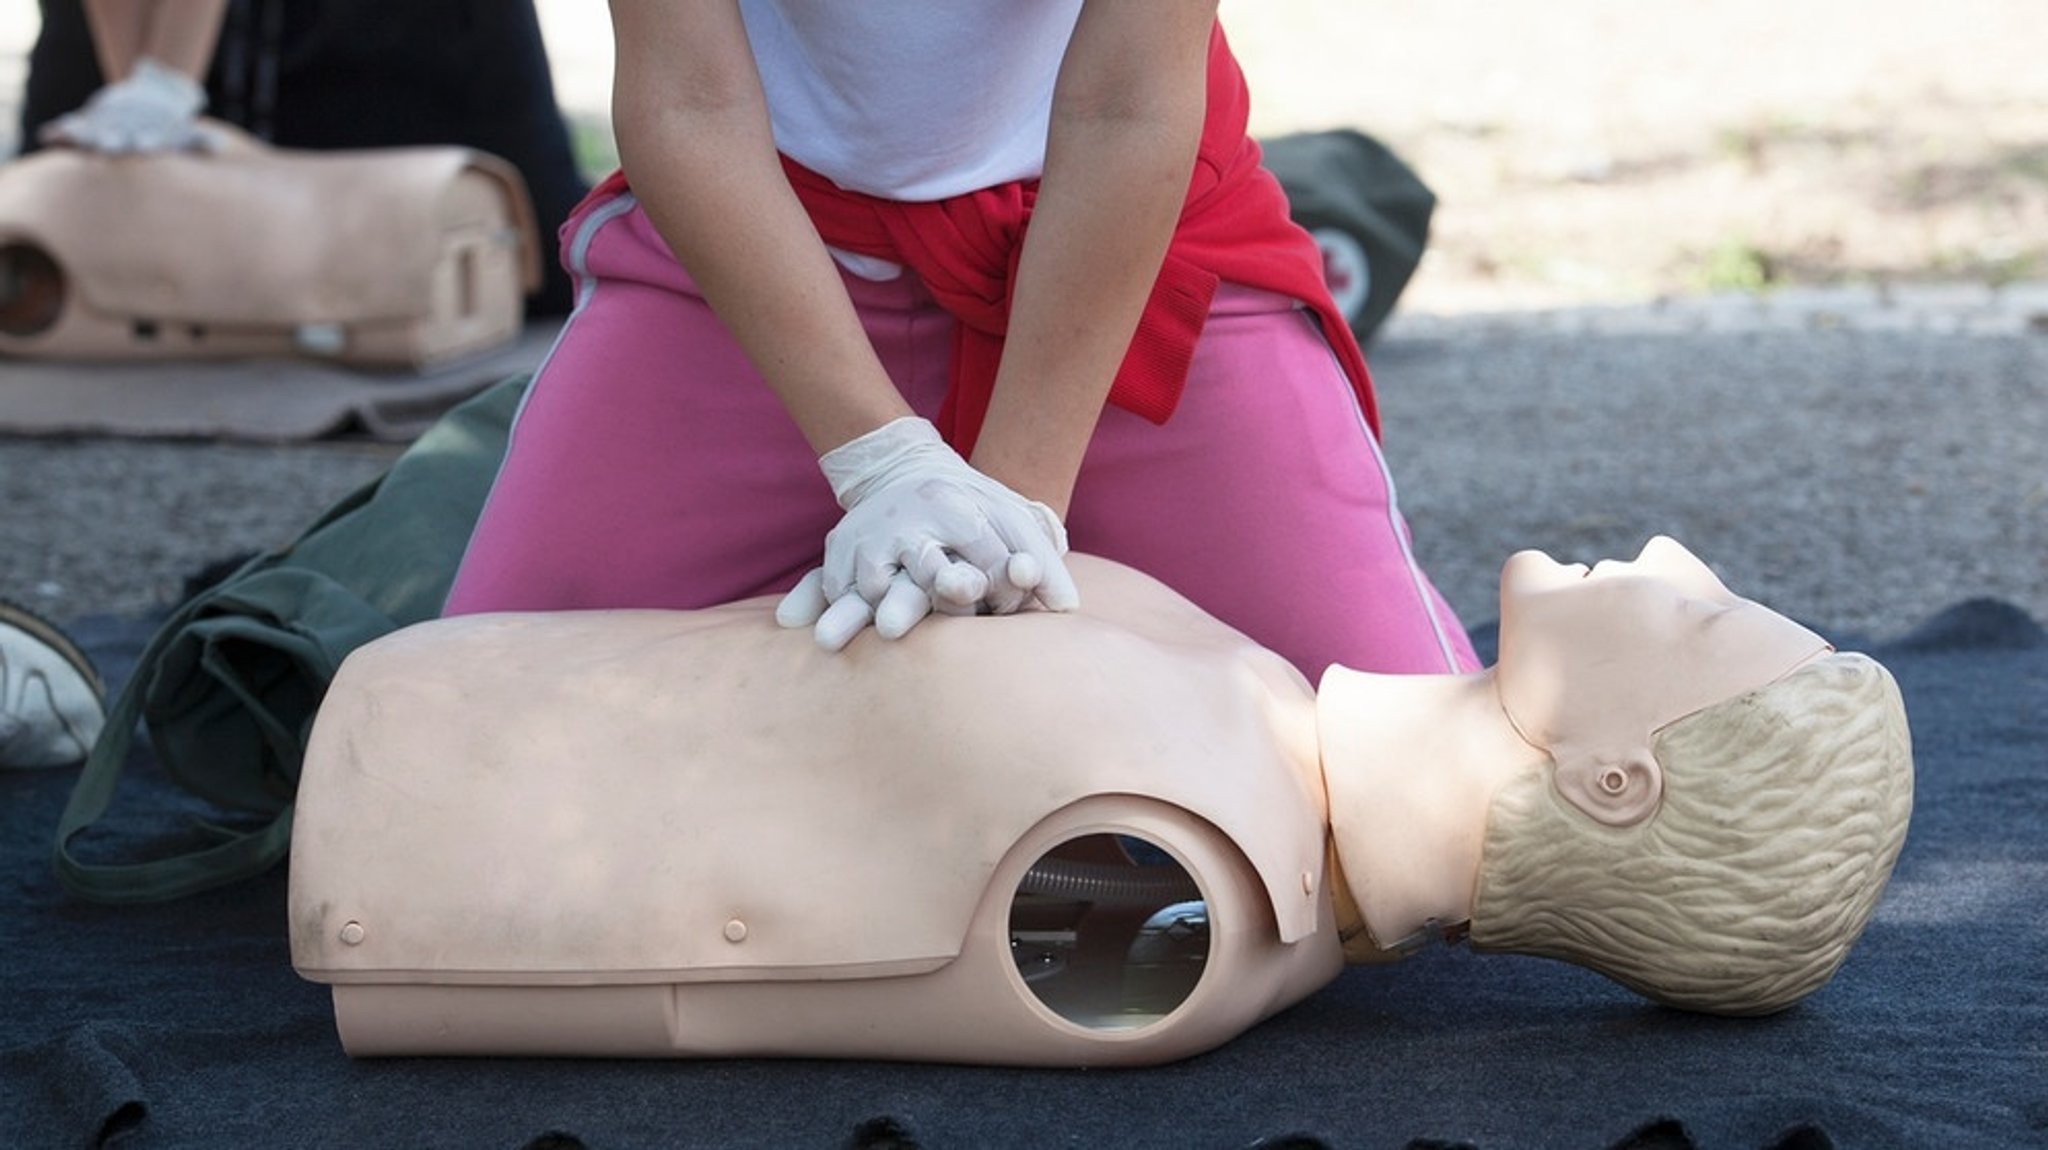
<point>924,531</point>
<point>154,109</point>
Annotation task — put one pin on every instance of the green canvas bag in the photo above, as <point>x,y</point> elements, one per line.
<point>227,687</point>
<point>1368,211</point>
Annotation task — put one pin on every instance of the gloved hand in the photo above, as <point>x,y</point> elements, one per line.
<point>155,109</point>
<point>924,531</point>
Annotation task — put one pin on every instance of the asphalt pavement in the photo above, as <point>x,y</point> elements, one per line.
<point>1856,459</point>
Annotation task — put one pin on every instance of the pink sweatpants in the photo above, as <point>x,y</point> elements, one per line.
<point>651,467</point>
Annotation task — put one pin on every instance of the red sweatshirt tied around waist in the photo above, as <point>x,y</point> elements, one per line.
<point>1234,225</point>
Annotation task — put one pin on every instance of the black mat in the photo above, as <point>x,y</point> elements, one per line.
<point>184,1026</point>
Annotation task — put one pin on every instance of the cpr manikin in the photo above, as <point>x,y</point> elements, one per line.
<point>1122,835</point>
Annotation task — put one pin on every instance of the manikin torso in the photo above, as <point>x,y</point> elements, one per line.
<point>698,813</point>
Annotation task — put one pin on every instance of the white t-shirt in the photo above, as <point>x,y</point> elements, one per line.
<point>911,100</point>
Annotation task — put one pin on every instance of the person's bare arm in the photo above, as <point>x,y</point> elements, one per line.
<point>1126,120</point>
<point>179,34</point>
<point>693,136</point>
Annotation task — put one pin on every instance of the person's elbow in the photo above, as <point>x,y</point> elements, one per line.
<point>1133,84</point>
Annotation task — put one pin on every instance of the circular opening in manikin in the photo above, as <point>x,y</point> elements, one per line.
<point>31,290</point>
<point>1110,932</point>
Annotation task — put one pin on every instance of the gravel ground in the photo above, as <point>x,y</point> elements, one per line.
<point>1595,151</point>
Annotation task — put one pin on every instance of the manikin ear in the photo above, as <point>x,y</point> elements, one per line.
<point>1617,789</point>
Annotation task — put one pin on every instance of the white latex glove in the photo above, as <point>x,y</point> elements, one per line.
<point>155,109</point>
<point>924,531</point>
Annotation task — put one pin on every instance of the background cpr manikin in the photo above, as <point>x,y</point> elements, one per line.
<point>1122,835</point>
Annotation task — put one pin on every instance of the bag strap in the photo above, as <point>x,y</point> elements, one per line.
<point>242,854</point>
<point>446,459</point>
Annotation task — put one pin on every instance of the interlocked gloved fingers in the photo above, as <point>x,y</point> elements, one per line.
<point>154,109</point>
<point>1024,577</point>
<point>924,531</point>
<point>958,591</point>
<point>835,623</point>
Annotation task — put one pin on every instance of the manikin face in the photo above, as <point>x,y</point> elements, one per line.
<point>1593,663</point>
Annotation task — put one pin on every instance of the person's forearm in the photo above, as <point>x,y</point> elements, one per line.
<point>726,211</point>
<point>1097,238</point>
<point>179,34</point>
<point>701,158</point>
<point>1118,161</point>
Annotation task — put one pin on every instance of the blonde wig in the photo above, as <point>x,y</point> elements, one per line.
<point>1783,812</point>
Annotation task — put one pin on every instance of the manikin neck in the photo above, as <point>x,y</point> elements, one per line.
<point>1411,764</point>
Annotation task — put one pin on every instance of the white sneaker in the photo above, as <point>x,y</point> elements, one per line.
<point>52,704</point>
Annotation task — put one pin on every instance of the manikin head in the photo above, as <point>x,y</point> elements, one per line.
<point>1724,799</point>
<point>1593,662</point>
